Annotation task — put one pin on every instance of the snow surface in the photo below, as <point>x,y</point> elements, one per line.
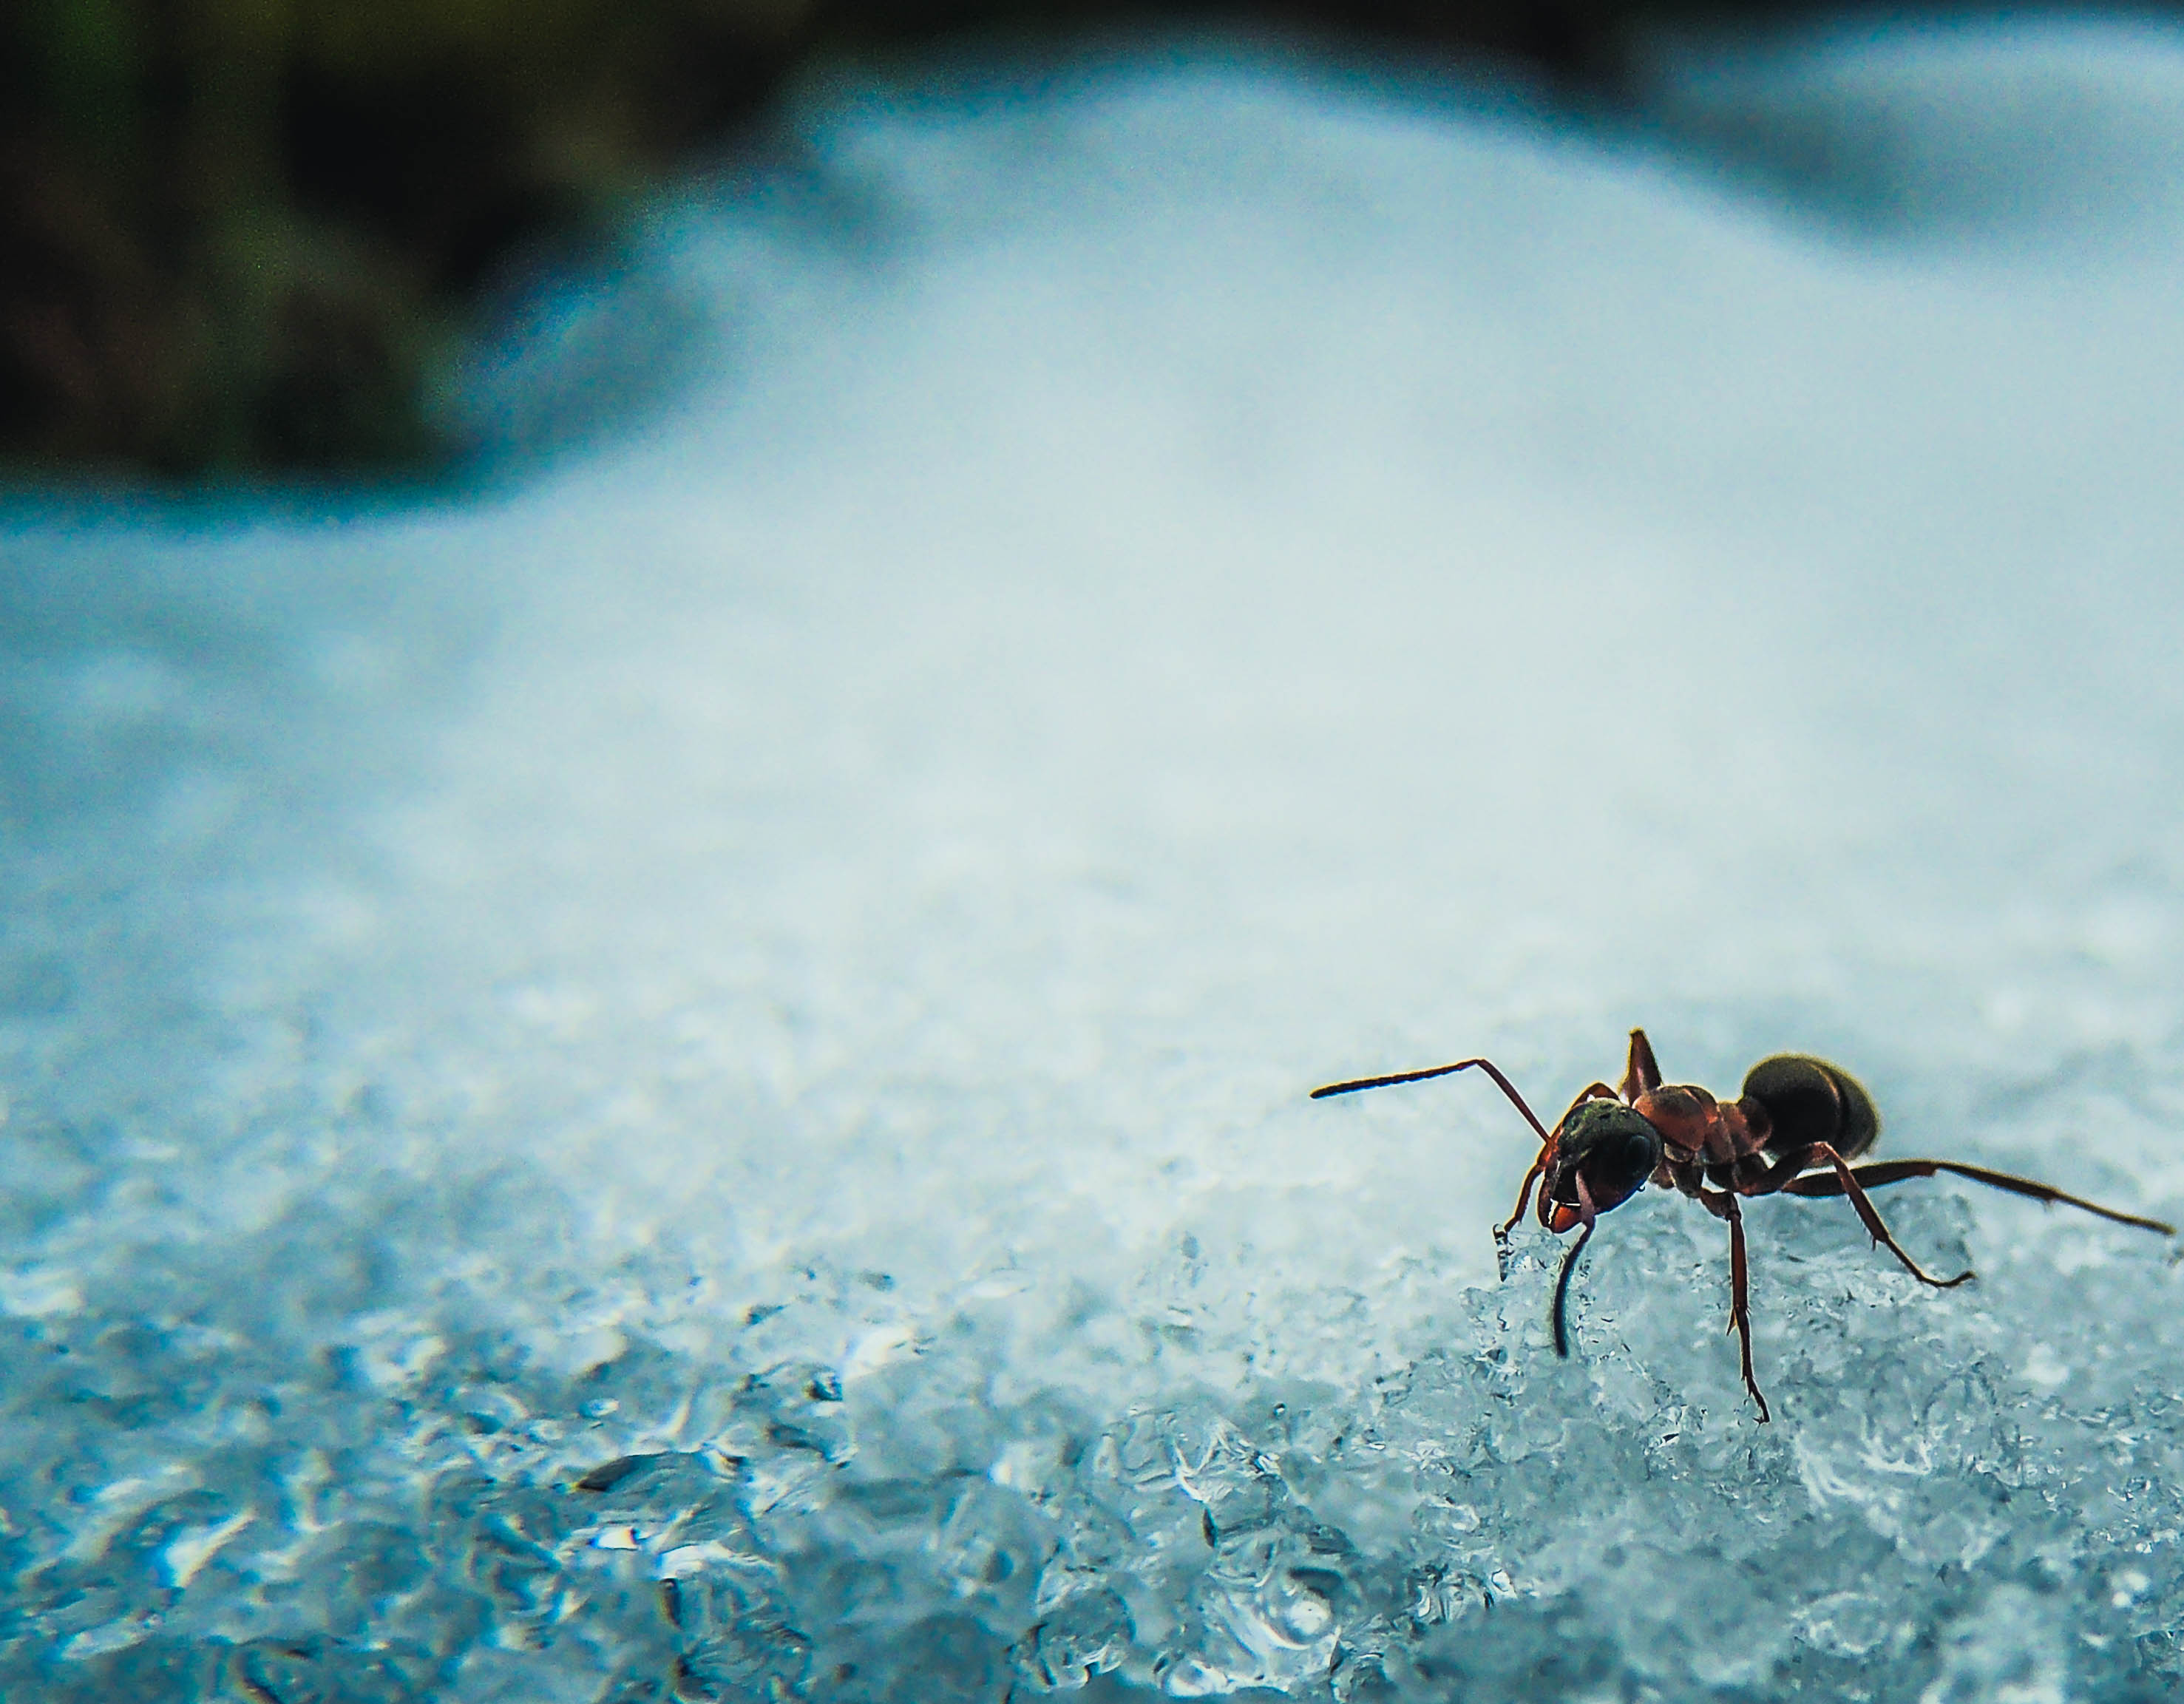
<point>686,1079</point>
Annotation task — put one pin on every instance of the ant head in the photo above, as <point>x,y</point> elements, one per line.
<point>1612,1147</point>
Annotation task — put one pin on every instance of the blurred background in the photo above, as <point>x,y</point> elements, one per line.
<point>248,236</point>
<point>660,951</point>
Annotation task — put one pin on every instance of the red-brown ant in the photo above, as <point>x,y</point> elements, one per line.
<point>1794,1130</point>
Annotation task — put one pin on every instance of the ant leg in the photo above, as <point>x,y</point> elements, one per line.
<point>1740,1290</point>
<point>1523,1200</point>
<point>1592,1091</point>
<point>1896,1171</point>
<point>1641,1076</point>
<point>1847,1184</point>
<point>1487,1066</point>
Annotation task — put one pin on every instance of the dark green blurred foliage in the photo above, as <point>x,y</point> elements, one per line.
<point>237,232</point>
<point>239,236</point>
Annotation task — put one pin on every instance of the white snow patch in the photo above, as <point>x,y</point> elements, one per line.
<point>689,1077</point>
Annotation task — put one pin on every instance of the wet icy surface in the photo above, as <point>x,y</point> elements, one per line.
<point>687,1081</point>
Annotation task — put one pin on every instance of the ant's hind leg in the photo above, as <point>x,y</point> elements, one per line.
<point>1847,1183</point>
<point>1896,1171</point>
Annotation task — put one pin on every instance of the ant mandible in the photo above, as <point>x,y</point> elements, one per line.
<point>1793,1131</point>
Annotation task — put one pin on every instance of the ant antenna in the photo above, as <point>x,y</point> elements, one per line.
<point>1569,1263</point>
<point>1562,1290</point>
<point>1487,1066</point>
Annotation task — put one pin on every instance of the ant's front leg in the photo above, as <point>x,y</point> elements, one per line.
<point>1592,1091</point>
<point>1524,1201</point>
<point>1641,1076</point>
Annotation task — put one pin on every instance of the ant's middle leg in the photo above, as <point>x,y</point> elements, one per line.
<point>1723,1206</point>
<point>1780,1176</point>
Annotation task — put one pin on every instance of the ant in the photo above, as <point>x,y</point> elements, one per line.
<point>1793,1131</point>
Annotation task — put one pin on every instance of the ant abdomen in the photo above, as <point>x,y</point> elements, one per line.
<point>1807,1100</point>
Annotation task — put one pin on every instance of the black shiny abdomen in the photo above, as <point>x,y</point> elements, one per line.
<point>1808,1100</point>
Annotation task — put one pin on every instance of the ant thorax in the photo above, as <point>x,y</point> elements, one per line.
<point>1696,1128</point>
